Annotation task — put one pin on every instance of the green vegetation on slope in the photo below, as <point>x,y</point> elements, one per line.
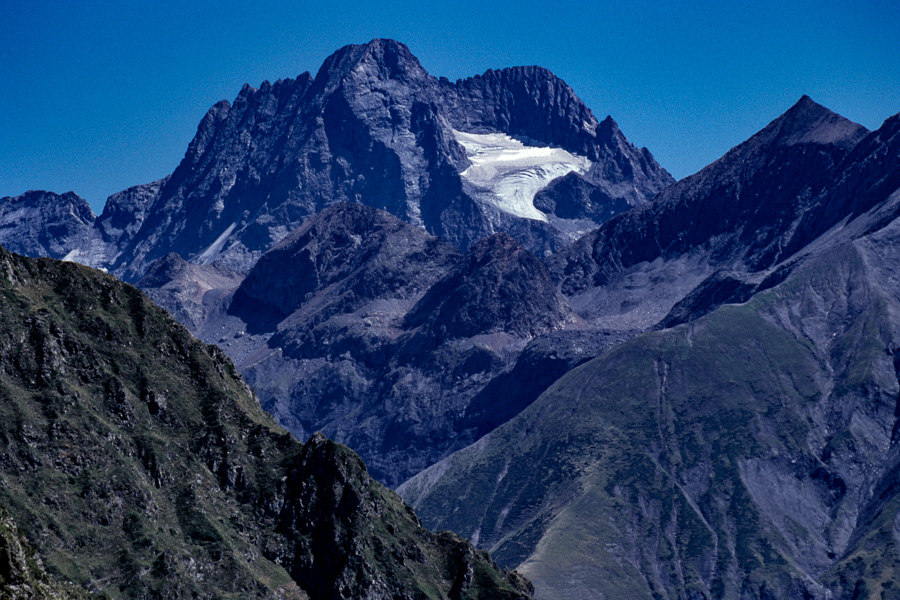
<point>747,454</point>
<point>139,465</point>
<point>22,576</point>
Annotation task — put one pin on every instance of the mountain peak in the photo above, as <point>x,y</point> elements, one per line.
<point>387,58</point>
<point>808,122</point>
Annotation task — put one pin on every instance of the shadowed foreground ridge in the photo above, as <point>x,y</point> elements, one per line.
<point>138,465</point>
<point>22,576</point>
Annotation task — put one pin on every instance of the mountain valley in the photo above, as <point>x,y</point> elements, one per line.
<point>620,385</point>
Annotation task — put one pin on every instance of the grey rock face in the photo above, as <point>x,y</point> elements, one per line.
<point>192,293</point>
<point>745,213</point>
<point>750,452</point>
<point>355,254</point>
<point>45,224</point>
<point>371,127</point>
<point>687,453</point>
<point>499,287</point>
<point>371,330</point>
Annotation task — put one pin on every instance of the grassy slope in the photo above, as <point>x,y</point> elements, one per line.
<point>22,576</point>
<point>110,413</point>
<point>139,465</point>
<point>718,458</point>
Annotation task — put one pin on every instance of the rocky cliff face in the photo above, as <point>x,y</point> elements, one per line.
<point>138,464</point>
<point>376,333</point>
<point>359,326</point>
<point>45,224</point>
<point>499,287</point>
<point>357,253</point>
<point>373,127</point>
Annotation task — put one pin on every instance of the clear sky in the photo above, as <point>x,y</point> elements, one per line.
<point>96,96</point>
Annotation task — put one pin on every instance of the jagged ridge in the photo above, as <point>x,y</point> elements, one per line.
<point>371,127</point>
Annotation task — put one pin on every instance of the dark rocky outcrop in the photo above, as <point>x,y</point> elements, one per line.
<point>360,253</point>
<point>138,464</point>
<point>498,287</point>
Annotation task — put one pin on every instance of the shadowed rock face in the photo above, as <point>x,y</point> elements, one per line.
<point>371,127</point>
<point>742,207</point>
<point>366,254</point>
<point>137,463</point>
<point>497,287</point>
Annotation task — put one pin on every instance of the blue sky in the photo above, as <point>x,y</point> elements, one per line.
<point>101,95</point>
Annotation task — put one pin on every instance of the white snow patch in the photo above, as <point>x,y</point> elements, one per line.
<point>512,173</point>
<point>213,250</point>
<point>72,256</point>
<point>476,535</point>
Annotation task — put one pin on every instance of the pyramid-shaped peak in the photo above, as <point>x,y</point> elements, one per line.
<point>804,112</point>
<point>389,59</point>
<point>808,122</point>
<point>608,130</point>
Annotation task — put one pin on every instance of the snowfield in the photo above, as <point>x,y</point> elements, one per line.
<point>511,173</point>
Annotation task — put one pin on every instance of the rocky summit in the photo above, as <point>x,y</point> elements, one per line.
<point>744,213</point>
<point>460,159</point>
<point>45,224</point>
<point>137,464</point>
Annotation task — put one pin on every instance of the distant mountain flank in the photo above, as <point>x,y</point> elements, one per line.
<point>461,159</point>
<point>748,211</point>
<point>746,448</point>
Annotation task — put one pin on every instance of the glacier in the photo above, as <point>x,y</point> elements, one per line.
<point>507,173</point>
